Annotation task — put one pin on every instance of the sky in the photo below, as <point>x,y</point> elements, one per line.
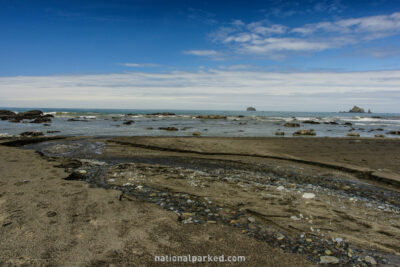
<point>221,55</point>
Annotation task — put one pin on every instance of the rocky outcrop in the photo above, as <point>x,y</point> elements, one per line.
<point>280,133</point>
<point>5,114</point>
<point>356,109</point>
<point>394,132</point>
<point>212,117</point>
<point>304,132</point>
<point>196,133</point>
<point>31,134</point>
<point>291,124</point>
<point>251,109</point>
<point>37,116</point>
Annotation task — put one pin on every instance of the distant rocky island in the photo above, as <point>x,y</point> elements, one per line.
<point>356,109</point>
<point>251,109</point>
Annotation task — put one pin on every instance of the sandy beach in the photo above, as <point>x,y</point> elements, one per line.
<point>122,201</point>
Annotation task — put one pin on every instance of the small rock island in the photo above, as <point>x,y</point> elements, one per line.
<point>251,109</point>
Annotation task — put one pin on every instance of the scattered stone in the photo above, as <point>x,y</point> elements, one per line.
<point>280,188</point>
<point>129,122</point>
<point>328,260</point>
<point>291,124</point>
<point>304,132</point>
<point>212,117</point>
<point>168,128</point>
<point>370,260</point>
<point>51,214</point>
<point>295,218</point>
<point>339,240</point>
<point>77,119</point>
<point>310,122</point>
<point>394,132</point>
<point>308,195</point>
<point>251,219</point>
<point>31,134</point>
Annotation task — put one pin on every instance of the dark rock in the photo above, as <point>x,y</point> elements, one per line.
<point>376,117</point>
<point>41,120</point>
<point>53,131</point>
<point>394,132</point>
<point>129,122</point>
<point>311,122</point>
<point>291,124</point>
<point>7,113</point>
<point>196,133</point>
<point>31,134</point>
<point>251,109</point>
<point>77,119</point>
<point>51,214</point>
<point>168,128</point>
<point>280,133</point>
<point>356,109</point>
<point>348,124</point>
<point>75,176</point>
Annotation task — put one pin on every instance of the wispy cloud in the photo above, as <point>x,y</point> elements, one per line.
<point>202,53</point>
<point>276,40</point>
<point>209,89</point>
<point>139,65</point>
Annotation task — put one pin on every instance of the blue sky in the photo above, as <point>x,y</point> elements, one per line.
<point>201,54</point>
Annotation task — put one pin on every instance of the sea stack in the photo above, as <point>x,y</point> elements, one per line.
<point>356,109</point>
<point>251,109</point>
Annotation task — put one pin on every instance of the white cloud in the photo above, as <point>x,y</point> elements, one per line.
<point>276,41</point>
<point>202,53</point>
<point>211,89</point>
<point>388,24</point>
<point>139,65</point>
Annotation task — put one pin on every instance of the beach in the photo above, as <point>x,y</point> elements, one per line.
<point>121,201</point>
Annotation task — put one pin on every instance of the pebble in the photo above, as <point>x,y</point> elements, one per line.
<point>294,218</point>
<point>328,259</point>
<point>251,219</point>
<point>280,188</point>
<point>339,240</point>
<point>308,195</point>
<point>370,260</point>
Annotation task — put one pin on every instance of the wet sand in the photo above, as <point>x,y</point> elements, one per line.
<point>96,202</point>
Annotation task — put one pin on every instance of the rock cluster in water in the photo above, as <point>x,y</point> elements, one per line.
<point>35,116</point>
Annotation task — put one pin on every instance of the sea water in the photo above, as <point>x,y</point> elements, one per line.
<point>109,122</point>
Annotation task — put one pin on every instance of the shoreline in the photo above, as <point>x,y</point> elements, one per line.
<point>255,189</point>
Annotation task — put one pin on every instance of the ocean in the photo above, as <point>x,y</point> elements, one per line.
<point>109,122</point>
